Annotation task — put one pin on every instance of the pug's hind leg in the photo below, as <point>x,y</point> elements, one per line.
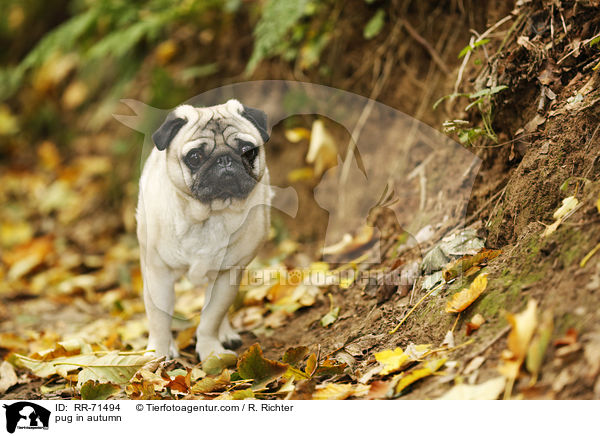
<point>222,293</point>
<point>228,336</point>
<point>159,300</point>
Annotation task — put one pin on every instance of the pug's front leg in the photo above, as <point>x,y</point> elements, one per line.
<point>222,294</point>
<point>159,300</point>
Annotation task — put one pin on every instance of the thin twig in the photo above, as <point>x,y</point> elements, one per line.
<point>415,306</point>
<point>495,206</point>
<point>495,339</point>
<point>432,52</point>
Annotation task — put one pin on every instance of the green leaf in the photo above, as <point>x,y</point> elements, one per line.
<point>456,94</point>
<point>278,18</point>
<point>469,48</point>
<point>252,365</point>
<point>92,390</point>
<point>375,24</point>
<point>595,40</point>
<point>488,91</point>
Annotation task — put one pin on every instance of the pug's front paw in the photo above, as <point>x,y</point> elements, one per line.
<point>228,337</point>
<point>170,352</point>
<point>207,346</point>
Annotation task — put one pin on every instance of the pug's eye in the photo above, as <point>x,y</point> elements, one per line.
<point>194,158</point>
<point>248,150</point>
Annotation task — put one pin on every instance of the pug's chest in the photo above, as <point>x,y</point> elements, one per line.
<point>209,246</point>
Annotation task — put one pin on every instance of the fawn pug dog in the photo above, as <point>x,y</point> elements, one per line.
<point>203,210</point>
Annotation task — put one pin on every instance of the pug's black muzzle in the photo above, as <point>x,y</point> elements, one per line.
<point>225,176</point>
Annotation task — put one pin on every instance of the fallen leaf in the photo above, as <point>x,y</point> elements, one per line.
<point>113,367</point>
<point>331,316</point>
<point>252,365</point>
<point>465,263</point>
<point>297,134</point>
<point>329,368</point>
<point>489,390</point>
<point>539,343</point>
<point>298,174</point>
<point>295,355</point>
<point>209,384</point>
<point>523,326</point>
<point>474,364</point>
<point>425,369</point>
<point>25,257</point>
<point>350,243</point>
<point>448,339</point>
<point>463,299</point>
<point>569,338</point>
<point>322,150</point>
<point>8,377</point>
<point>216,364</point>
<point>92,390</point>
<point>339,391</point>
<point>378,389</point>
<point>476,322</point>
<point>591,353</point>
<point>568,204</point>
<point>311,365</point>
<point>243,394</point>
<point>392,360</point>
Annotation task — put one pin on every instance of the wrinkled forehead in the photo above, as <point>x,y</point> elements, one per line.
<point>220,126</point>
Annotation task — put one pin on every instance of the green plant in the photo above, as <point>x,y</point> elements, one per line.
<point>282,30</point>
<point>472,47</point>
<point>101,30</point>
<point>482,100</point>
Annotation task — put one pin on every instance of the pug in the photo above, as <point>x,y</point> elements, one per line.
<point>203,211</point>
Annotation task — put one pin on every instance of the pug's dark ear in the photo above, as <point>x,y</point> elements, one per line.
<point>259,119</point>
<point>167,131</point>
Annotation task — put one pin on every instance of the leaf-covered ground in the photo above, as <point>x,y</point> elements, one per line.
<point>510,311</point>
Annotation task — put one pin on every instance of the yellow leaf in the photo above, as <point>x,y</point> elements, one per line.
<point>166,51</point>
<point>598,202</point>
<point>539,343</point>
<point>322,151</point>
<point>402,381</point>
<point>463,299</point>
<point>74,95</point>
<point>397,359</point>
<point>298,174</point>
<point>392,361</point>
<point>297,134</point>
<point>333,391</point>
<point>523,326</point>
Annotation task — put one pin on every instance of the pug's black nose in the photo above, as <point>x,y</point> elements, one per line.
<point>224,161</point>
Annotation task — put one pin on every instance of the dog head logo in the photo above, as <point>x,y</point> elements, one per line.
<point>24,414</point>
